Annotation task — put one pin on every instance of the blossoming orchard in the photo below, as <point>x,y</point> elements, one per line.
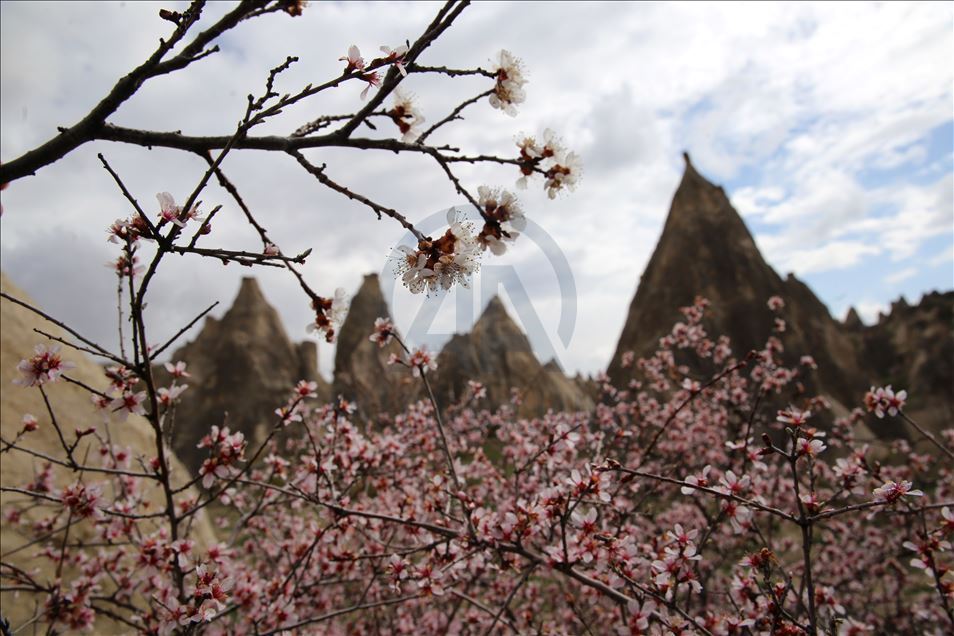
<point>707,496</point>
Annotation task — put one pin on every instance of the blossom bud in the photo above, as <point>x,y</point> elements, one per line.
<point>29,423</point>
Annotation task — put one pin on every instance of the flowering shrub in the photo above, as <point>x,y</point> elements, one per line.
<point>672,508</point>
<point>686,502</point>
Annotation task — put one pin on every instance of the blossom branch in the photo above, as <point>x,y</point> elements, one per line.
<point>319,173</point>
<point>927,435</point>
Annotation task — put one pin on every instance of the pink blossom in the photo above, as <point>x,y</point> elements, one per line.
<point>29,423</point>
<point>422,361</point>
<point>182,549</point>
<point>329,314</point>
<point>396,56</point>
<point>169,395</point>
<point>508,91</point>
<point>693,480</point>
<point>168,210</point>
<point>564,174</point>
<point>947,523</point>
<point>306,389</point>
<point>628,358</point>
<point>681,536</point>
<point>809,447</point>
<point>130,402</point>
<point>891,491</point>
<point>373,79</point>
<point>82,499</point>
<point>691,385</point>
<point>478,391</point>
<point>885,400</point>
<point>430,580</point>
<point>289,413</point>
<point>119,232</point>
<point>811,501</point>
<point>732,485</point>
<point>177,370</point>
<point>46,365</point>
<point>808,361</point>
<point>354,59</point>
<point>639,615</point>
<point>383,332</point>
<point>586,522</point>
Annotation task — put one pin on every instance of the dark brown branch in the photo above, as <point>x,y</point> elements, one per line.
<point>84,130</point>
<point>451,72</point>
<point>226,183</point>
<point>103,352</point>
<point>342,612</point>
<point>445,17</point>
<point>455,114</point>
<point>69,344</point>
<point>241,257</point>
<point>78,467</point>
<point>159,351</point>
<point>201,144</point>
<point>129,197</point>
<point>319,173</point>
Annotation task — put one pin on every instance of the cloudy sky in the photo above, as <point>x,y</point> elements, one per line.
<point>830,126</point>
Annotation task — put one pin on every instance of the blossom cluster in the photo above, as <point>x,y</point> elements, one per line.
<point>406,116</point>
<point>439,264</point>
<point>46,365</point>
<point>508,91</point>
<point>226,451</point>
<point>503,219</point>
<point>882,400</point>
<point>329,314</point>
<point>356,64</point>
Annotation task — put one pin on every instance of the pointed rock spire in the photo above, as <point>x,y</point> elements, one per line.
<point>706,250</point>
<point>366,306</point>
<point>249,295</point>
<point>243,367</point>
<point>362,374</point>
<point>853,320</point>
<point>498,331</point>
<point>498,354</point>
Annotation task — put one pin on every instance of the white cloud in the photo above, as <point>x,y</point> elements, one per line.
<point>801,103</point>
<point>830,256</point>
<point>946,256</point>
<point>901,275</point>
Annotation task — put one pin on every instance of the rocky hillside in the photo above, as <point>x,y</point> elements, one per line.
<point>497,354</point>
<point>913,348</point>
<point>73,410</point>
<point>243,367</point>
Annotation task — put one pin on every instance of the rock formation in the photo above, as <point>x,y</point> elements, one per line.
<point>913,348</point>
<point>243,367</point>
<point>73,410</point>
<point>362,374</point>
<point>497,354</point>
<point>705,249</point>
